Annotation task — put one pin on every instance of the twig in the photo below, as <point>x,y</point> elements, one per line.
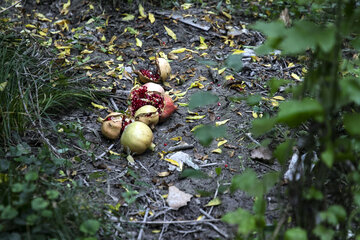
<point>180,147</point>
<point>103,154</point>
<point>114,104</point>
<point>215,195</point>
<point>142,226</point>
<point>174,222</point>
<point>280,223</point>
<point>4,10</point>
<point>252,139</point>
<point>218,230</point>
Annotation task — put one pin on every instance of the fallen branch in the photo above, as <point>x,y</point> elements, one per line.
<point>4,10</point>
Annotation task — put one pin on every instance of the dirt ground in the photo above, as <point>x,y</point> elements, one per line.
<point>112,174</point>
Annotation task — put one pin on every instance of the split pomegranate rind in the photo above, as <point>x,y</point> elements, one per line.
<point>114,124</point>
<point>139,97</point>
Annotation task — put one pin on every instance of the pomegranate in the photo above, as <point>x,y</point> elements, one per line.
<point>169,108</point>
<point>137,137</point>
<point>147,114</point>
<point>112,124</point>
<point>140,96</point>
<point>154,87</point>
<point>162,73</point>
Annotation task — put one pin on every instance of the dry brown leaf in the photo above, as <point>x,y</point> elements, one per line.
<point>261,153</point>
<point>177,198</point>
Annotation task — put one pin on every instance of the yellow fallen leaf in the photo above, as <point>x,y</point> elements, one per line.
<point>226,14</point>
<point>304,70</point>
<point>128,17</point>
<point>165,196</point>
<point>274,103</point>
<point>64,24</point>
<point>114,153</point>
<point>65,9</point>
<point>141,11</point>
<point>42,17</point>
<point>181,94</point>
<point>222,122</point>
<point>170,33</point>
<point>3,86</point>
<point>130,159</point>
<point>179,50</point>
<point>103,38</point>
<point>255,115</point>
<point>196,84</point>
<point>113,38</point>
<point>176,138</point>
<point>290,65</point>
<point>114,208</point>
<point>156,231</point>
<point>98,106</point>
<point>151,18</point>
<point>217,150</point>
<point>295,76</point>
<point>237,51</point>
<point>30,26</point>
<point>203,45</point>
<point>138,42</point>
<point>86,51</point>
<point>163,174</point>
<point>229,77</point>
<point>173,162</point>
<point>221,70</point>
<point>196,127</point>
<point>213,202</point>
<point>195,117</point>
<point>186,6</point>
<point>183,104</point>
<point>280,98</point>
<point>222,143</point>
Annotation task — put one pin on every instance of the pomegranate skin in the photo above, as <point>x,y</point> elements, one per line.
<point>112,125</point>
<point>147,114</point>
<point>169,108</point>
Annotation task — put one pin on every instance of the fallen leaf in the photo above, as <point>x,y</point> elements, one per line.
<point>213,202</point>
<point>179,50</point>
<point>226,14</point>
<point>173,162</point>
<point>163,174</point>
<point>222,143</point>
<point>176,138</point>
<point>221,122</point>
<point>217,150</point>
<point>170,33</point>
<point>195,117</point>
<point>141,11</point>
<point>177,198</point>
<point>280,98</point>
<point>151,18</point>
<point>295,76</point>
<point>3,86</point>
<point>98,106</point>
<point>114,153</point>
<point>138,42</point>
<point>128,17</point>
<point>186,6</point>
<point>130,159</point>
<point>261,153</point>
<point>65,9</point>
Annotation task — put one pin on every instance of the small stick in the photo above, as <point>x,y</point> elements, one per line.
<point>143,225</point>
<point>173,222</point>
<point>114,104</point>
<point>180,147</point>
<point>215,195</point>
<point>103,154</point>
<point>218,230</point>
<point>252,139</point>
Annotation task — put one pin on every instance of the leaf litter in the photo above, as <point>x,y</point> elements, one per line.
<point>105,45</point>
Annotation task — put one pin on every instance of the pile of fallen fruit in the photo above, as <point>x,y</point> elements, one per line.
<point>149,104</point>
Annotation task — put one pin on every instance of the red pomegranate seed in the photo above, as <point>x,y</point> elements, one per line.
<point>226,165</point>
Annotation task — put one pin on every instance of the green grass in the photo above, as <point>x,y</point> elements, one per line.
<point>32,87</point>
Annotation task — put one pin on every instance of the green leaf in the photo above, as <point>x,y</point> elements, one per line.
<point>313,193</point>
<point>245,221</point>
<point>269,180</point>
<point>8,213</point>
<point>4,165</point>
<point>351,123</point>
<point>206,133</point>
<point>350,89</point>
<point>17,187</point>
<point>52,194</point>
<point>295,234</point>
<point>31,176</point>
<point>234,61</point>
<point>193,173</point>
<point>218,171</point>
<point>262,125</point>
<point>201,98</point>
<point>2,86</point>
<point>284,151</point>
<point>253,99</point>
<point>323,233</point>
<point>328,156</point>
<point>274,29</point>
<point>90,226</point>
<point>275,84</point>
<point>39,204</point>
<point>247,182</point>
<point>334,214</point>
<point>295,112</point>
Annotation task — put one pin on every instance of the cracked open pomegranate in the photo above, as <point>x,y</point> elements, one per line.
<point>147,114</point>
<point>114,123</point>
<point>160,75</point>
<point>140,96</point>
<point>137,137</point>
